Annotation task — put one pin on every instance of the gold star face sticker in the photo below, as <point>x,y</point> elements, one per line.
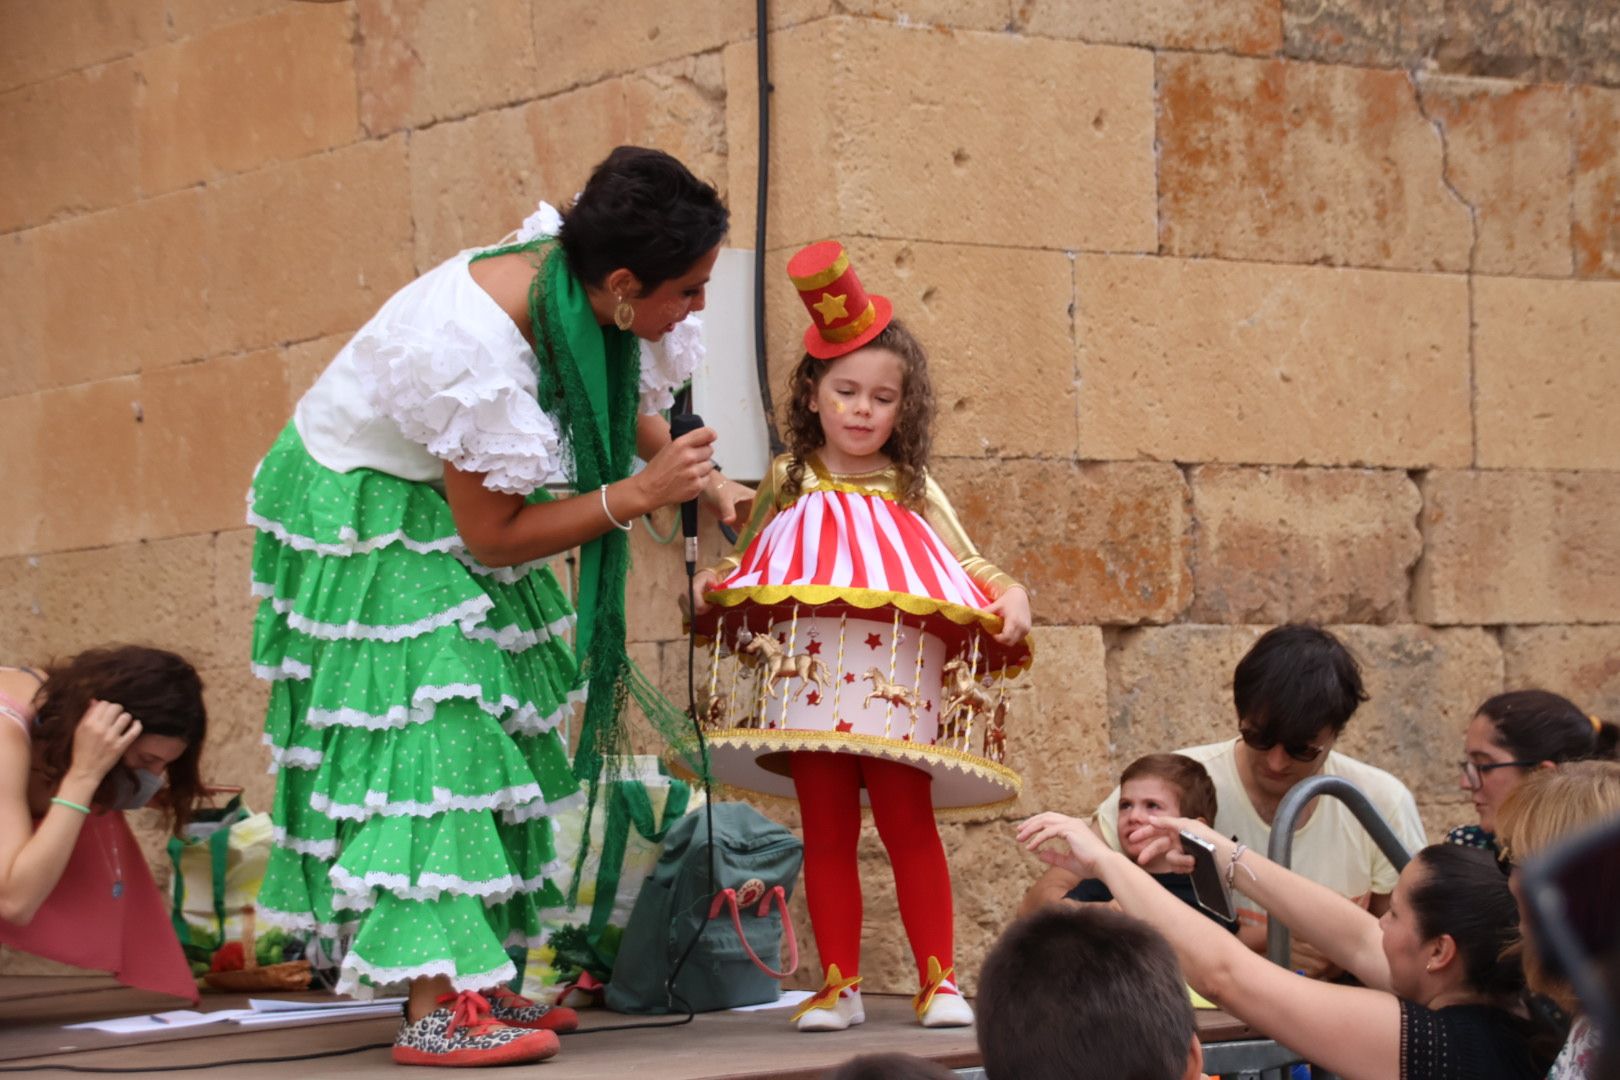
<point>831,307</point>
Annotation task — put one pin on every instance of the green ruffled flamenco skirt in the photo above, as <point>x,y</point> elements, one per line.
<point>415,699</point>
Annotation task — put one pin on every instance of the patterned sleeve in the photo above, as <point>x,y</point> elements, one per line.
<point>669,364</point>
<point>462,401</point>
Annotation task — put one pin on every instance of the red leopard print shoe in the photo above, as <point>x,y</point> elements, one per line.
<point>515,1010</point>
<point>463,1032</point>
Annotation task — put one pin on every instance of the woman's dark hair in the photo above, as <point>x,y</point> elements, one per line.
<point>1296,680</point>
<point>158,688</point>
<point>910,442</point>
<point>642,210</point>
<point>1463,893</point>
<point>1539,725</point>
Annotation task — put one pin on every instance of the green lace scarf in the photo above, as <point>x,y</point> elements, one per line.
<point>590,380</point>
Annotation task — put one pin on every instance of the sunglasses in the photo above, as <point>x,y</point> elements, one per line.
<point>1474,772</point>
<point>1304,753</point>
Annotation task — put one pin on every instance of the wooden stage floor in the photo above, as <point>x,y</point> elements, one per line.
<point>715,1046</point>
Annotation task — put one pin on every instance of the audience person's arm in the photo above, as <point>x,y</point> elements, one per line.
<point>1341,930</point>
<point>1051,887</point>
<point>32,859</point>
<point>1352,1031</point>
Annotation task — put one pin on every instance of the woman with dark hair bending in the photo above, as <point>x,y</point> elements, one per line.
<point>1439,999</point>
<point>108,730</point>
<point>413,638</point>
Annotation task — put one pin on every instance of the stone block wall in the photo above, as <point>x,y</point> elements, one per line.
<point>1240,313</point>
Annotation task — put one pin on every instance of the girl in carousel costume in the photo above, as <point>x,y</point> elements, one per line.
<point>875,628</point>
<point>413,638</point>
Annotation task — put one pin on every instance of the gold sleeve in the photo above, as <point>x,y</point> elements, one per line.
<point>938,513</point>
<point>764,509</point>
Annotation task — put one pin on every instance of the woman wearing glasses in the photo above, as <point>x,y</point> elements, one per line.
<point>1510,736</point>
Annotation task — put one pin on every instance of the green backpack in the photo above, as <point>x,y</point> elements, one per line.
<point>756,866</point>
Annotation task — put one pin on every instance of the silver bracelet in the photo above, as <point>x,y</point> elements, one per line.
<point>1232,865</point>
<point>620,525</point>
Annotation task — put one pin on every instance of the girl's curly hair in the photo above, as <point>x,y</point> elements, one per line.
<point>156,687</point>
<point>908,445</point>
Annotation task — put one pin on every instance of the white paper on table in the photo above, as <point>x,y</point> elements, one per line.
<point>357,1011</point>
<point>158,1022</point>
<point>788,999</point>
<point>270,1005</point>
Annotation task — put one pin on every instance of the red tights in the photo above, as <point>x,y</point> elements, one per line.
<point>829,790</point>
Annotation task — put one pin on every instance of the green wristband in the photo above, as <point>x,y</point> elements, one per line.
<point>85,810</point>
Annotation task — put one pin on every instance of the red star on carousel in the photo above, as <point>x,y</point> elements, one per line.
<point>873,641</point>
<point>844,725</point>
<point>849,676</point>
<point>813,649</point>
<point>906,737</point>
<point>928,706</point>
<point>813,697</point>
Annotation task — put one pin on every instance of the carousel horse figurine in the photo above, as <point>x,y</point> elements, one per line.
<point>964,699</point>
<point>995,735</point>
<point>893,693</point>
<point>780,666</point>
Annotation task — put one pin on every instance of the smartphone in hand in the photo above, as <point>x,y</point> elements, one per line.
<point>1209,888</point>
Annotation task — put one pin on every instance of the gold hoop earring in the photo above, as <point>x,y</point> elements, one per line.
<point>623,314</point>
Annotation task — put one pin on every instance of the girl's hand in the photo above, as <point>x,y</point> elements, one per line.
<point>1013,607</point>
<point>730,501</point>
<point>1085,847</point>
<point>679,471</point>
<point>104,733</point>
<point>1162,836</point>
<point>704,581</point>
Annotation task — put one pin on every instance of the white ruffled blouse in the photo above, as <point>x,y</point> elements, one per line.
<point>441,373</point>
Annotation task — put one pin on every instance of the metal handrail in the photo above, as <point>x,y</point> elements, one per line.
<point>1280,849</point>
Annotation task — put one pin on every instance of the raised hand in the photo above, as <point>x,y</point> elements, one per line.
<point>1084,847</point>
<point>104,733</point>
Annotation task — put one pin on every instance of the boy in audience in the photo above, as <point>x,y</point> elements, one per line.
<point>1158,785</point>
<point>1295,691</point>
<point>1085,994</point>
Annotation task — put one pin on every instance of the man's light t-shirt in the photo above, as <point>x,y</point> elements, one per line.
<point>1331,847</point>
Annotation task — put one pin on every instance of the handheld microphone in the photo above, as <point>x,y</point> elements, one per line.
<point>682,424</point>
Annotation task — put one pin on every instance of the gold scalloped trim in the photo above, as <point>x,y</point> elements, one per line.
<point>785,740</point>
<point>867,600</point>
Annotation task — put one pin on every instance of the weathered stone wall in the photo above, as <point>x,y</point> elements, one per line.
<point>1241,312</point>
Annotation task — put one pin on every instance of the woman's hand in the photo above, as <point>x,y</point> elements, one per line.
<point>1162,836</point>
<point>104,733</point>
<point>1085,847</point>
<point>678,472</point>
<point>730,501</point>
<point>702,582</point>
<point>1013,607</point>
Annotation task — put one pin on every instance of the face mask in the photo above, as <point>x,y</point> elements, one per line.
<point>134,788</point>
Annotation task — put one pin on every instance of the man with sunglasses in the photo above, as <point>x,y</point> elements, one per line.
<point>1295,691</point>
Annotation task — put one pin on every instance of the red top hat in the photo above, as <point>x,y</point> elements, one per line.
<point>843,317</point>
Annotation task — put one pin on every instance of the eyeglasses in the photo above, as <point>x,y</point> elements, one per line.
<point>1304,753</point>
<point>1474,772</point>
